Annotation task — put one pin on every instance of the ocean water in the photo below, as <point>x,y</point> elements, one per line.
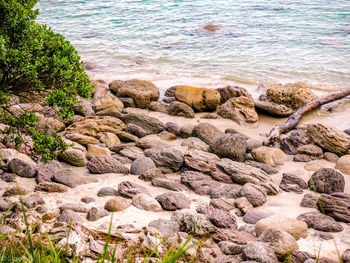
<point>258,41</point>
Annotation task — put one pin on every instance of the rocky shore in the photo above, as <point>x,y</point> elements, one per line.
<point>191,164</point>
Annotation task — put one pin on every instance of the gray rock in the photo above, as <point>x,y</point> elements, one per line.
<point>132,152</point>
<point>146,202</point>
<point>149,124</point>
<point>7,177</point>
<point>225,191</point>
<point>150,174</point>
<point>219,218</point>
<point>309,200</point>
<point>260,252</point>
<point>181,109</point>
<point>170,184</point>
<point>194,143</point>
<point>166,159</point>
<point>107,191</point>
<point>70,179</point>
<point>319,221</point>
<point>33,200</point>
<point>310,150</point>
<point>51,187</point>
<point>117,204</point>
<point>273,109</point>
<point>327,180</point>
<point>151,142</point>
<point>173,201</point>
<point>5,204</point>
<point>22,168</point>
<point>187,130</point>
<point>141,165</point>
<point>158,106</point>
<point>70,216</point>
<point>173,128</point>
<point>166,227</point>
<point>198,182</point>
<point>232,146</point>
<point>207,132</point>
<point>95,213</point>
<point>297,138</point>
<point>200,161</point>
<point>292,183</point>
<point>263,166</point>
<point>254,216</point>
<point>80,208</point>
<point>46,172</point>
<point>331,157</point>
<point>220,176</point>
<point>230,248</point>
<point>136,130</point>
<point>222,203</point>
<point>106,164</point>
<point>122,159</point>
<point>255,194</point>
<point>129,189</point>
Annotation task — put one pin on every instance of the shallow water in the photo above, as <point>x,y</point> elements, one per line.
<point>258,41</point>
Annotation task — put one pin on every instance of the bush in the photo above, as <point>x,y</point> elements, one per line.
<point>36,61</point>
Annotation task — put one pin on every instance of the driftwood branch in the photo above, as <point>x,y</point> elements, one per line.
<point>294,119</point>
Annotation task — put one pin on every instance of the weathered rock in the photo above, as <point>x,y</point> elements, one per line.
<point>207,132</point>
<point>200,99</point>
<point>319,221</point>
<point>107,191</point>
<point>166,227</point>
<point>194,143</point>
<point>84,108</point>
<point>255,194</point>
<point>167,136</point>
<point>343,164</point>
<point>273,109</point>
<point>301,256</point>
<point>95,213</point>
<point>259,252</point>
<point>149,142</point>
<point>297,228</point>
<point>240,237</point>
<point>219,218</point>
<point>232,146</point>
<point>193,223</point>
<point>87,199</point>
<point>51,187</point>
<point>329,138</point>
<point>222,203</point>
<point>150,124</point>
<point>74,207</point>
<point>346,256</point>
<point>142,91</point>
<point>292,183</point>
<point>74,155</point>
<point>181,109</point>
<point>151,174</point>
<point>126,137</point>
<point>136,130</point>
<point>280,241</point>
<point>129,189</point>
<point>240,110</point>
<point>336,205</point>
<point>200,161</point>
<point>33,200</point>
<point>170,92</point>
<point>22,168</point>
<point>292,95</point>
<point>158,106</point>
<point>225,190</point>
<point>310,150</point>
<point>5,204</point>
<point>115,85</point>
<point>200,183</point>
<point>270,156</point>
<point>187,130</point>
<point>230,92</point>
<point>297,138</point>
<point>70,179</point>
<point>8,154</point>
<point>220,176</point>
<point>132,152</point>
<point>117,204</point>
<point>330,157</point>
<point>252,217</point>
<point>230,248</point>
<point>15,190</point>
<point>96,150</point>
<point>141,165</point>
<point>173,201</point>
<point>173,128</point>
<point>70,216</point>
<point>242,173</point>
<point>263,166</point>
<point>170,184</point>
<point>109,139</point>
<point>166,159</point>
<point>7,177</point>
<point>309,200</point>
<point>107,102</point>
<point>243,204</point>
<point>327,180</point>
<point>145,202</point>
<point>106,164</point>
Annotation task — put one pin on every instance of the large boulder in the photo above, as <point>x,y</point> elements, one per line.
<point>167,159</point>
<point>297,138</point>
<point>200,183</point>
<point>74,155</point>
<point>181,109</point>
<point>259,252</point>
<point>321,222</point>
<point>232,146</point>
<point>255,194</point>
<point>343,164</point>
<point>107,102</point>
<point>270,156</point>
<point>240,110</point>
<point>141,165</point>
<point>149,124</point>
<point>207,132</point>
<point>292,95</point>
<point>200,99</point>
<point>200,161</point>
<point>273,109</point>
<point>22,168</point>
<point>129,189</point>
<point>141,91</point>
<point>96,126</point>
<point>336,205</point>
<point>329,138</point>
<point>327,180</point>
<point>106,164</point>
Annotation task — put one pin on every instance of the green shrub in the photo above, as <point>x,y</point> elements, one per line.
<point>36,61</point>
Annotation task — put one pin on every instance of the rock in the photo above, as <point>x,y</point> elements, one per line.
<point>263,166</point>
<point>167,136</point>
<point>327,180</point>
<point>220,176</point>
<point>273,109</point>
<point>187,130</point>
<point>292,95</point>
<point>207,132</point>
<point>107,191</point>
<point>151,142</point>
<point>219,218</point>
<point>211,27</point>
<point>69,216</point>
<point>232,146</point>
<point>74,207</point>
<point>336,205</point>
<point>70,179</point>
<point>170,92</point>
<point>309,200</point>
<point>329,138</point>
<point>319,221</point>
<point>173,128</point>
<point>194,143</point>
<point>230,248</point>
<point>7,177</point>
<point>222,203</point>
<point>33,200</point>
<point>241,237</point>
<point>145,202</point>
<point>181,109</point>
<point>150,174</point>
<point>141,91</point>
<point>106,164</point>
<point>100,89</point>
<point>255,194</point>
<point>129,189</point>
<point>280,241</point>
<point>158,106</point>
<point>193,223</point>
<point>173,201</point>
<point>96,126</point>
<point>200,161</point>
<point>343,164</point>
<point>330,157</point>
<point>127,102</point>
<point>45,172</point>
<point>166,227</point>
<point>115,85</point>
<point>127,137</point>
<point>346,256</point>
<point>141,165</point>
<point>136,130</point>
<point>117,204</point>
<point>270,156</point>
<point>225,191</point>
<point>200,183</point>
<point>107,102</point>
<point>87,200</point>
<point>167,159</point>
<point>253,216</point>
<point>170,184</point>
<point>243,204</point>
<point>95,213</point>
<point>51,187</point>
<point>252,144</point>
<point>316,165</point>
<point>132,152</point>
<point>84,108</point>
<point>22,168</point>
<point>95,150</point>
<point>259,252</point>
<point>75,157</point>
<point>241,110</point>
<point>292,183</point>
<point>300,256</point>
<point>15,190</point>
<point>200,99</point>
<point>297,228</point>
<point>242,173</point>
<point>230,92</point>
<point>8,154</point>
<point>109,139</point>
<point>297,138</point>
<point>310,150</point>
<point>5,204</point>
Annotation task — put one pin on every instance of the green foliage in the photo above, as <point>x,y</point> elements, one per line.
<point>36,61</point>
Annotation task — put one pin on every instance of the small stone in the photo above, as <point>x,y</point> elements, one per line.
<point>219,218</point>
<point>167,136</point>
<point>7,177</point>
<point>255,194</point>
<point>327,180</point>
<point>33,200</point>
<point>343,164</point>
<point>15,191</point>
<point>95,214</point>
<point>259,252</point>
<point>22,168</point>
<point>309,200</point>
<point>147,203</point>
<point>51,187</point>
<point>132,152</point>
<point>107,191</point>
<point>117,204</point>
<point>129,189</point>
<point>173,128</point>
<point>187,130</point>
<point>166,227</point>
<point>222,203</point>
<point>297,138</point>
<point>88,200</point>
<point>244,205</point>
<point>330,157</point>
<point>252,217</point>
<point>170,184</point>
<point>150,174</point>
<point>181,109</point>
<point>173,201</point>
<point>69,216</point>
<point>230,248</point>
<point>74,207</point>
<point>319,221</point>
<point>141,165</point>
